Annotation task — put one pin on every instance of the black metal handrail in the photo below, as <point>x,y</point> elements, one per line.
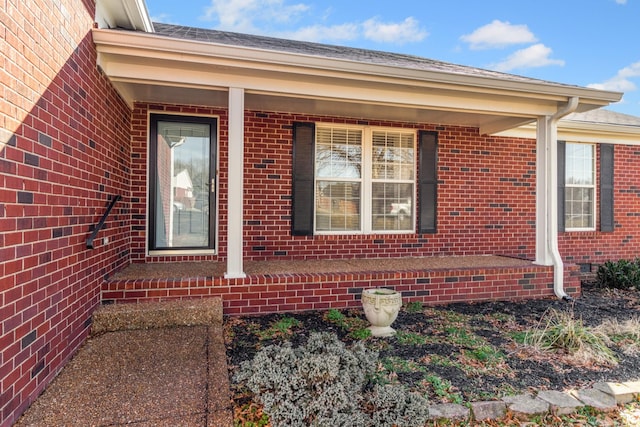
<point>100,224</point>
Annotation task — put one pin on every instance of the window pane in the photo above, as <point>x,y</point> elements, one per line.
<point>337,206</point>
<point>392,162</point>
<point>580,188</point>
<point>392,206</point>
<point>392,155</point>
<point>338,153</point>
<point>579,207</point>
<point>579,164</point>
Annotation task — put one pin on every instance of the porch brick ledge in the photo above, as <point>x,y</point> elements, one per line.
<point>281,292</point>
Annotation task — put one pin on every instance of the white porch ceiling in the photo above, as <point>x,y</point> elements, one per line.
<point>154,93</point>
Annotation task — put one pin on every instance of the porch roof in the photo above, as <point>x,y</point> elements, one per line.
<point>177,64</point>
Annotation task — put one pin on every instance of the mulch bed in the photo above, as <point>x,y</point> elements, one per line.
<point>466,378</point>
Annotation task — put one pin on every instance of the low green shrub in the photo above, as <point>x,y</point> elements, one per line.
<point>414,307</point>
<point>282,328</point>
<point>621,274</point>
<point>325,383</point>
<point>355,326</point>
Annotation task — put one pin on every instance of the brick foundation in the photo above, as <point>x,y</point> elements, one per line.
<point>318,291</point>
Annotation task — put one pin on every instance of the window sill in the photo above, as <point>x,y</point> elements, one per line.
<point>178,252</point>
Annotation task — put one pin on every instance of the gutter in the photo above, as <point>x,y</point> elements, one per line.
<point>558,265</point>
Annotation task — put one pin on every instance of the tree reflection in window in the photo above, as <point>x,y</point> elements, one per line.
<point>338,176</point>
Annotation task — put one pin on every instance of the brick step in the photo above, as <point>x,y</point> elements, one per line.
<point>149,315</point>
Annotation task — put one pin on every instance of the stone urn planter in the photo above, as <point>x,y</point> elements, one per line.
<point>381,307</point>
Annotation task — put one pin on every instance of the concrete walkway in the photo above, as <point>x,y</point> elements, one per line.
<point>149,365</point>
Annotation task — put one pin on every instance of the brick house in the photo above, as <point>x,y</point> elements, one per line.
<point>300,157</point>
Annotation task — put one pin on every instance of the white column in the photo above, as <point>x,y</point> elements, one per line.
<point>235,215</point>
<point>545,193</point>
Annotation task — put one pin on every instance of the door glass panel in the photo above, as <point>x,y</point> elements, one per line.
<point>183,193</point>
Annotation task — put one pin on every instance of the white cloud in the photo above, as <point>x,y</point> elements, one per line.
<point>534,56</point>
<point>316,33</point>
<point>391,32</point>
<point>241,15</point>
<point>621,1</point>
<point>499,34</point>
<point>278,17</point>
<point>162,17</point>
<point>621,82</point>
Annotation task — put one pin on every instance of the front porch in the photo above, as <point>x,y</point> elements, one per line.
<point>276,286</point>
<point>466,189</point>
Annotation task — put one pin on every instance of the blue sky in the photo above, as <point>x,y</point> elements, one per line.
<point>593,43</point>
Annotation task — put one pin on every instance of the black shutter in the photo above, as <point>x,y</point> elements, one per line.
<point>428,181</point>
<point>606,187</point>
<point>303,198</point>
<point>562,155</point>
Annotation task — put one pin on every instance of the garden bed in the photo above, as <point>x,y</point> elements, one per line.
<point>458,353</point>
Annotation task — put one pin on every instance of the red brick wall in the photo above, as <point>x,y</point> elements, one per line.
<point>486,202</point>
<point>64,150</point>
<point>595,247</point>
<point>485,197</point>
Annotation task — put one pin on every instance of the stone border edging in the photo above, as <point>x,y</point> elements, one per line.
<point>603,396</point>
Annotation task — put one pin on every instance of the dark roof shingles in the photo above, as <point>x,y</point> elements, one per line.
<point>332,51</point>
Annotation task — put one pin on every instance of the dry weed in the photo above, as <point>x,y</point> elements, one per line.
<point>625,334</point>
<point>560,332</point>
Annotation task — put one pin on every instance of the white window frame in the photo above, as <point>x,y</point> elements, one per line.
<point>366,181</point>
<point>593,186</point>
